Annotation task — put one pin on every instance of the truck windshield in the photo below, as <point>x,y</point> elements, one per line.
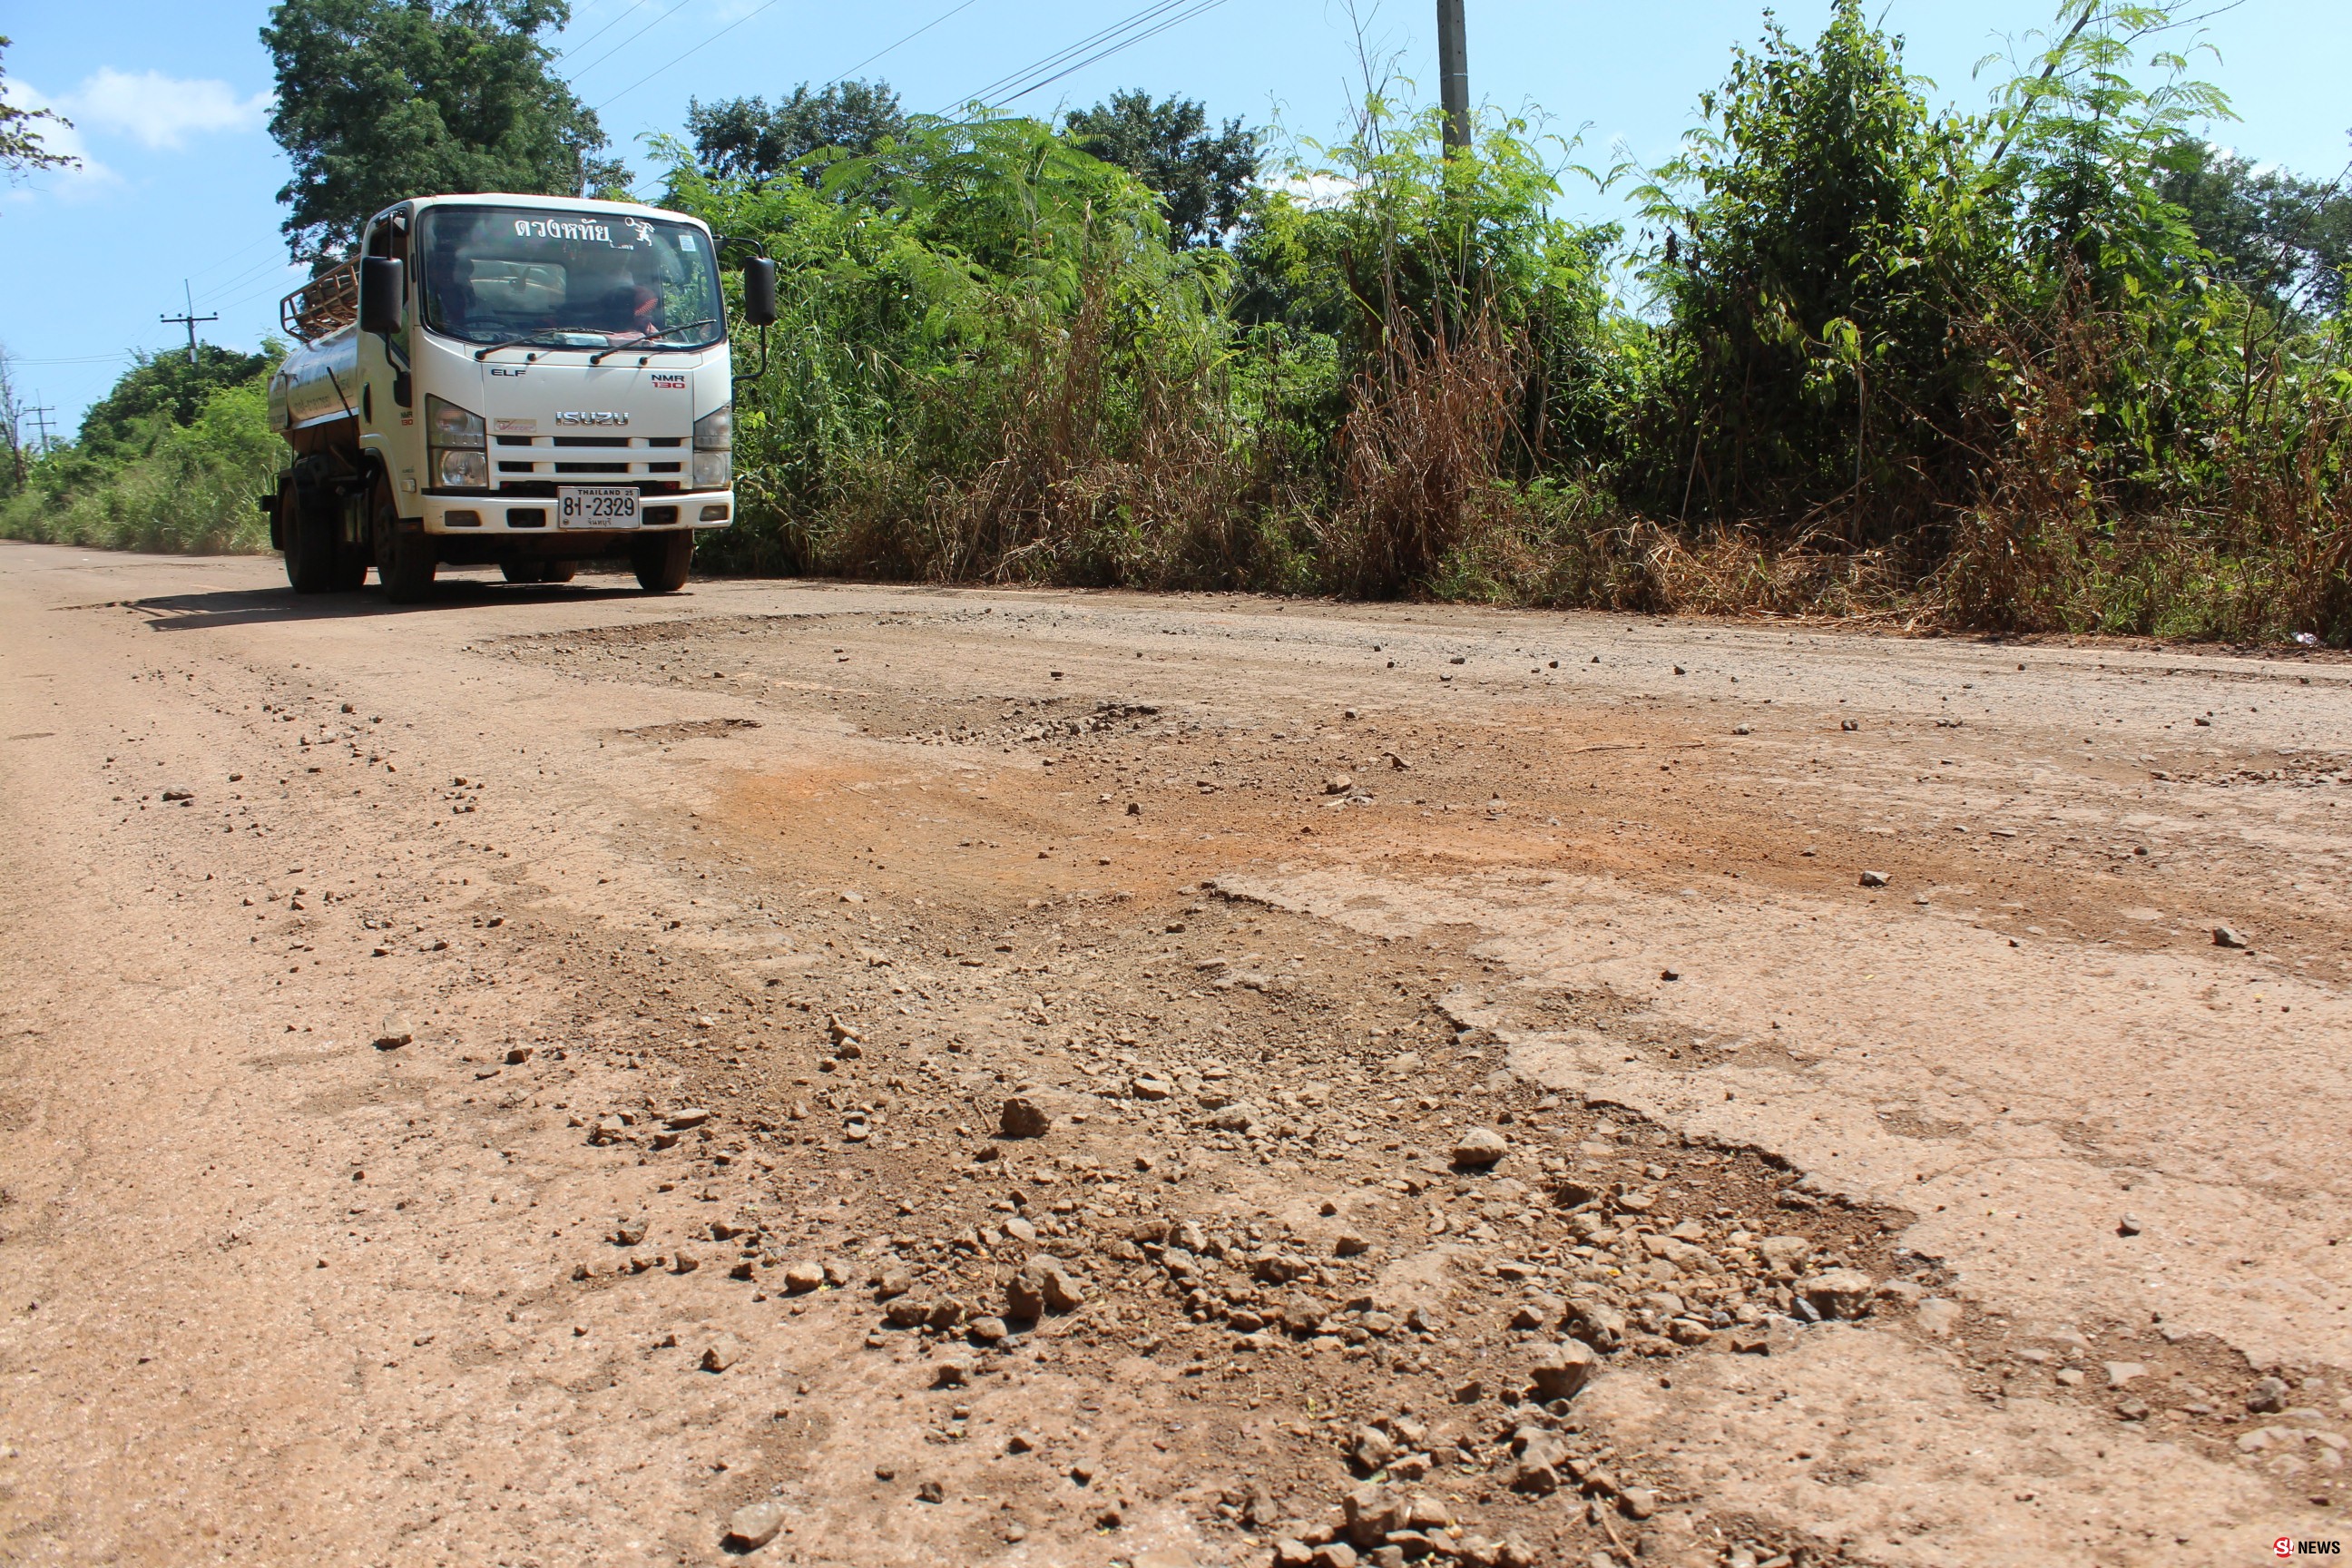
<point>568,279</point>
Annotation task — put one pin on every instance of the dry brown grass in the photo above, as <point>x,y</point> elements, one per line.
<point>1421,453</point>
<point>1084,461</point>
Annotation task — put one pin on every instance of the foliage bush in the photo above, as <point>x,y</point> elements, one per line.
<point>156,484</point>
<point>2052,365</point>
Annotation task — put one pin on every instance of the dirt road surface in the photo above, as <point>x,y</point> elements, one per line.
<point>531,1078</point>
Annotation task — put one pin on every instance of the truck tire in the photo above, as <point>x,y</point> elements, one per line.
<point>403,557</point>
<point>661,560</point>
<point>537,571</point>
<point>315,560</point>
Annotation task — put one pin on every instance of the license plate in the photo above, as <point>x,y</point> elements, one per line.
<point>596,506</point>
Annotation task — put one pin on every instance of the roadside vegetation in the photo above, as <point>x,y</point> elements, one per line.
<point>2052,362</point>
<point>176,459</point>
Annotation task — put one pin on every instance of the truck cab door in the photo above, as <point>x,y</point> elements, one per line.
<point>387,396</point>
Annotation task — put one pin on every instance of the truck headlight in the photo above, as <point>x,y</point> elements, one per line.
<point>713,471</point>
<point>715,431</point>
<point>447,425</point>
<point>458,468</point>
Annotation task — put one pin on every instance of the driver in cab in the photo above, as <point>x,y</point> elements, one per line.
<point>638,305</point>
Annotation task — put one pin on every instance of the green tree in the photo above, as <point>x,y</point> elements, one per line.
<point>745,139</point>
<point>382,99</point>
<point>1808,266</point>
<point>22,150</point>
<point>2285,239</point>
<point>163,390</point>
<point>1202,177</point>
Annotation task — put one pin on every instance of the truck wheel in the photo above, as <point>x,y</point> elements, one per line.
<point>558,571</point>
<point>312,555</point>
<point>537,571</point>
<point>403,560</point>
<point>661,560</point>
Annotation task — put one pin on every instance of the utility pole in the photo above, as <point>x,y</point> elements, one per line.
<point>189,319</point>
<point>40,413</point>
<point>1454,74</point>
<point>13,412</point>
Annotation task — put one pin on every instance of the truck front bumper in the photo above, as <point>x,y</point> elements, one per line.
<point>536,515</point>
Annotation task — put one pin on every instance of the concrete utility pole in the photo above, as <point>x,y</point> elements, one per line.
<point>1454,74</point>
<point>40,413</point>
<point>189,319</point>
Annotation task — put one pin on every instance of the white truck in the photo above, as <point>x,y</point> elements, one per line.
<point>527,381</point>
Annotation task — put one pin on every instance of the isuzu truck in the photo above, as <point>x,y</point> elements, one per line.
<point>524,382</point>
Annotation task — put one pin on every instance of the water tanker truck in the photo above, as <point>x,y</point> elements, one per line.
<point>524,382</point>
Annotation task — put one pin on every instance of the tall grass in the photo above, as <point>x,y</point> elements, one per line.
<point>190,489</point>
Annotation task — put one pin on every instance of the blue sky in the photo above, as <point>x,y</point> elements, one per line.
<point>181,177</point>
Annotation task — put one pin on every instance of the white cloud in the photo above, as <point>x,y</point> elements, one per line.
<point>1318,190</point>
<point>86,178</point>
<point>159,110</point>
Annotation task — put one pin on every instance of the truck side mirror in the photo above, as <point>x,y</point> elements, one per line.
<point>759,292</point>
<point>383,282</point>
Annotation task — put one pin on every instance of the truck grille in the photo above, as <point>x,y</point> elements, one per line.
<point>527,471</point>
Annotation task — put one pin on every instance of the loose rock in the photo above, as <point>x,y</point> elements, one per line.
<point>1564,1369</point>
<point>753,1527</point>
<point>1043,1284</point>
<point>1838,1292</point>
<point>1024,1118</point>
<point>1481,1147</point>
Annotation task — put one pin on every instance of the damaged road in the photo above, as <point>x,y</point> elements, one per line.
<point>866,1074</point>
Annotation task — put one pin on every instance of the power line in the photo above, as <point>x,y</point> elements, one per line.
<point>1145,24</point>
<point>1104,54</point>
<point>265,269</point>
<point>756,11</point>
<point>632,37</point>
<point>909,38</point>
<point>624,13</point>
<point>268,288</point>
<point>640,193</point>
<point>1137,19</point>
<point>242,251</point>
<point>892,48</point>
